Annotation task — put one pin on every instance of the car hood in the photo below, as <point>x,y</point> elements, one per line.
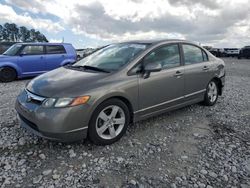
<point>4,57</point>
<point>63,82</point>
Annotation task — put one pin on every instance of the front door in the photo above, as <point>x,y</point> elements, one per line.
<point>32,60</point>
<point>165,88</point>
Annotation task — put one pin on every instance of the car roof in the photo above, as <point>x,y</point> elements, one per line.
<point>42,43</point>
<point>156,41</point>
<point>3,43</point>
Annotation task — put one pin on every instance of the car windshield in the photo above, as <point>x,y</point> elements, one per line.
<point>13,50</point>
<point>112,57</point>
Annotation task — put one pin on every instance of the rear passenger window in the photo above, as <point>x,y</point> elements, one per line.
<point>167,56</point>
<point>55,49</point>
<point>192,54</point>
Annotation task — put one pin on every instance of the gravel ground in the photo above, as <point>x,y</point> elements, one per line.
<point>196,146</point>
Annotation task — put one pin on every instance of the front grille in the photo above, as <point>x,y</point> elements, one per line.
<point>29,123</point>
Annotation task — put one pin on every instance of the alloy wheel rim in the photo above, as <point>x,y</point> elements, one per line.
<point>212,92</point>
<point>110,122</point>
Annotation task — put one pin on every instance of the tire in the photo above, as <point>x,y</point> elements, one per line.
<point>212,93</point>
<point>7,74</point>
<point>103,127</point>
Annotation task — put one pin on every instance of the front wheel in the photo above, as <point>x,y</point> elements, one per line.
<point>211,94</point>
<point>109,122</point>
<point>7,74</point>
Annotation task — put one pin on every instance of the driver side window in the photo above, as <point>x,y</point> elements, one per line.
<point>168,56</point>
<point>33,50</point>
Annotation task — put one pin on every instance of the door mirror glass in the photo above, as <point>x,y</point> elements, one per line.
<point>153,67</point>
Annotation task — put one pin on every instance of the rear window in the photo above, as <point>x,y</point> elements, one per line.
<point>55,49</point>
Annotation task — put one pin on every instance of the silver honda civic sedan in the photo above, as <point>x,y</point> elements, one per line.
<point>100,95</point>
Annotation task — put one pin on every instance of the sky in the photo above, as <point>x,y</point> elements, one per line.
<point>93,23</point>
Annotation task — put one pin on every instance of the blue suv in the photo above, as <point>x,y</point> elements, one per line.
<point>31,59</point>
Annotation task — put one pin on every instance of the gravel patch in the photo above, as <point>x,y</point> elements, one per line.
<point>195,146</point>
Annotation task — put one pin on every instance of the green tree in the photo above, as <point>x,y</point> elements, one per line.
<point>11,32</point>
<point>3,33</point>
<point>23,34</point>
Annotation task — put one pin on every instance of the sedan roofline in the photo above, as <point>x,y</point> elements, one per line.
<point>156,41</point>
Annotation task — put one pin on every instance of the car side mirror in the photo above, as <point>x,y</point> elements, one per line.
<point>151,67</point>
<point>23,53</point>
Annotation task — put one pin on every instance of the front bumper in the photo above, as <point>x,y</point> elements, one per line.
<point>60,124</point>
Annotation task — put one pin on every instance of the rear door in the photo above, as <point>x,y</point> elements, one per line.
<point>32,59</point>
<point>197,71</point>
<point>55,55</point>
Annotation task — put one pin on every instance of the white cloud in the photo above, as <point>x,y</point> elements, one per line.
<point>7,14</point>
<point>218,22</point>
<point>55,40</point>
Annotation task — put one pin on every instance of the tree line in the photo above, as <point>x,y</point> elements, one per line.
<point>10,32</point>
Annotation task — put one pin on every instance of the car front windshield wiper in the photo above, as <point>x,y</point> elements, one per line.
<point>95,68</point>
<point>84,67</point>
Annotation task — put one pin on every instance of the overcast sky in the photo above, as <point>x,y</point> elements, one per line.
<point>221,23</point>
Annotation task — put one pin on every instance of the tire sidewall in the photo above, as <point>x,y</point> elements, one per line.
<point>92,133</point>
<point>12,72</point>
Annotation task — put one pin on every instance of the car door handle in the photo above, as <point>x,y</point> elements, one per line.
<point>178,74</point>
<point>205,68</point>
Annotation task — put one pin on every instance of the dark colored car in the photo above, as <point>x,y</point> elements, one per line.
<point>244,52</point>
<point>232,52</point>
<point>31,59</point>
<point>216,52</point>
<point>5,46</point>
<point>102,94</point>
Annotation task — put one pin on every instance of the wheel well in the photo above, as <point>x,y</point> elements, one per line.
<point>10,68</point>
<point>219,83</point>
<point>129,105</point>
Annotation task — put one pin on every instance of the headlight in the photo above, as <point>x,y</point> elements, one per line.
<point>49,102</point>
<point>64,102</point>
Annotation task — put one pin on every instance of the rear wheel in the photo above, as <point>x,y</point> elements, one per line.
<point>211,94</point>
<point>109,122</point>
<point>7,74</point>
